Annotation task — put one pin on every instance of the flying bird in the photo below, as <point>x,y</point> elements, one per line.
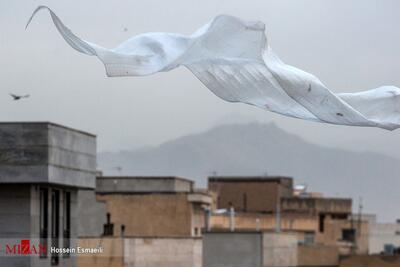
<point>18,97</point>
<point>233,59</point>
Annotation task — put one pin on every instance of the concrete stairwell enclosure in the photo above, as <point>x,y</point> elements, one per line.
<point>250,249</point>
<point>42,167</point>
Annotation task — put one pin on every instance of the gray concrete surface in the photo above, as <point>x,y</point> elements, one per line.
<point>279,249</point>
<point>34,156</point>
<point>15,211</point>
<point>42,152</point>
<point>163,252</point>
<point>91,214</point>
<point>236,249</point>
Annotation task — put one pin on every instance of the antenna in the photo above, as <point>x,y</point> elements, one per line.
<point>278,212</point>
<point>360,207</point>
<point>357,235</point>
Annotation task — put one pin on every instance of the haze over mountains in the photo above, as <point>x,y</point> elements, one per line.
<point>259,149</point>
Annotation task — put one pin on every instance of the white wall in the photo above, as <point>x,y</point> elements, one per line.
<point>381,234</point>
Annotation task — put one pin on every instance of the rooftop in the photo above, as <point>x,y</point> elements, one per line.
<point>118,177</point>
<point>249,179</point>
<point>45,152</point>
<point>22,123</point>
<point>143,184</point>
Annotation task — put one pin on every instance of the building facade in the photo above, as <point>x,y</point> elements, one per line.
<point>153,206</point>
<point>383,236</point>
<point>252,193</point>
<point>50,197</point>
<point>269,203</point>
<point>264,249</point>
<point>42,167</point>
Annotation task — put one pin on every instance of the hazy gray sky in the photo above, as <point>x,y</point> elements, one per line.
<point>349,45</point>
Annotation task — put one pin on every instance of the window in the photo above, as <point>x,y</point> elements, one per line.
<point>55,224</point>
<point>67,221</point>
<point>244,202</point>
<point>43,217</point>
<point>122,229</point>
<point>349,235</point>
<point>108,228</point>
<point>321,223</point>
<point>309,238</point>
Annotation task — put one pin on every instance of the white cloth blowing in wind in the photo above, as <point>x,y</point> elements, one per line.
<point>231,57</point>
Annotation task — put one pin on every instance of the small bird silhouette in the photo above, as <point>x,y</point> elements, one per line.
<point>18,97</point>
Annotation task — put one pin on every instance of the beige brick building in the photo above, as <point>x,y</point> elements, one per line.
<point>316,220</point>
<point>250,194</point>
<point>153,206</point>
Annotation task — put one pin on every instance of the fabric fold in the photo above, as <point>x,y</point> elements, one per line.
<point>232,58</point>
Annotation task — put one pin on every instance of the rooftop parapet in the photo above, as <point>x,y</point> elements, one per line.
<point>317,205</point>
<point>143,184</point>
<point>252,179</point>
<point>44,152</point>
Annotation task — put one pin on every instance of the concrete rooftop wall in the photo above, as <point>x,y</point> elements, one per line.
<point>109,184</point>
<point>279,250</point>
<point>250,249</point>
<point>91,214</point>
<point>163,252</point>
<point>46,153</point>
<point>232,249</point>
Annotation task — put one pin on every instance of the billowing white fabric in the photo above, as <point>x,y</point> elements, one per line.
<point>232,58</point>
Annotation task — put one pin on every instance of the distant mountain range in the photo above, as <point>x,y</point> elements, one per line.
<point>259,149</point>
